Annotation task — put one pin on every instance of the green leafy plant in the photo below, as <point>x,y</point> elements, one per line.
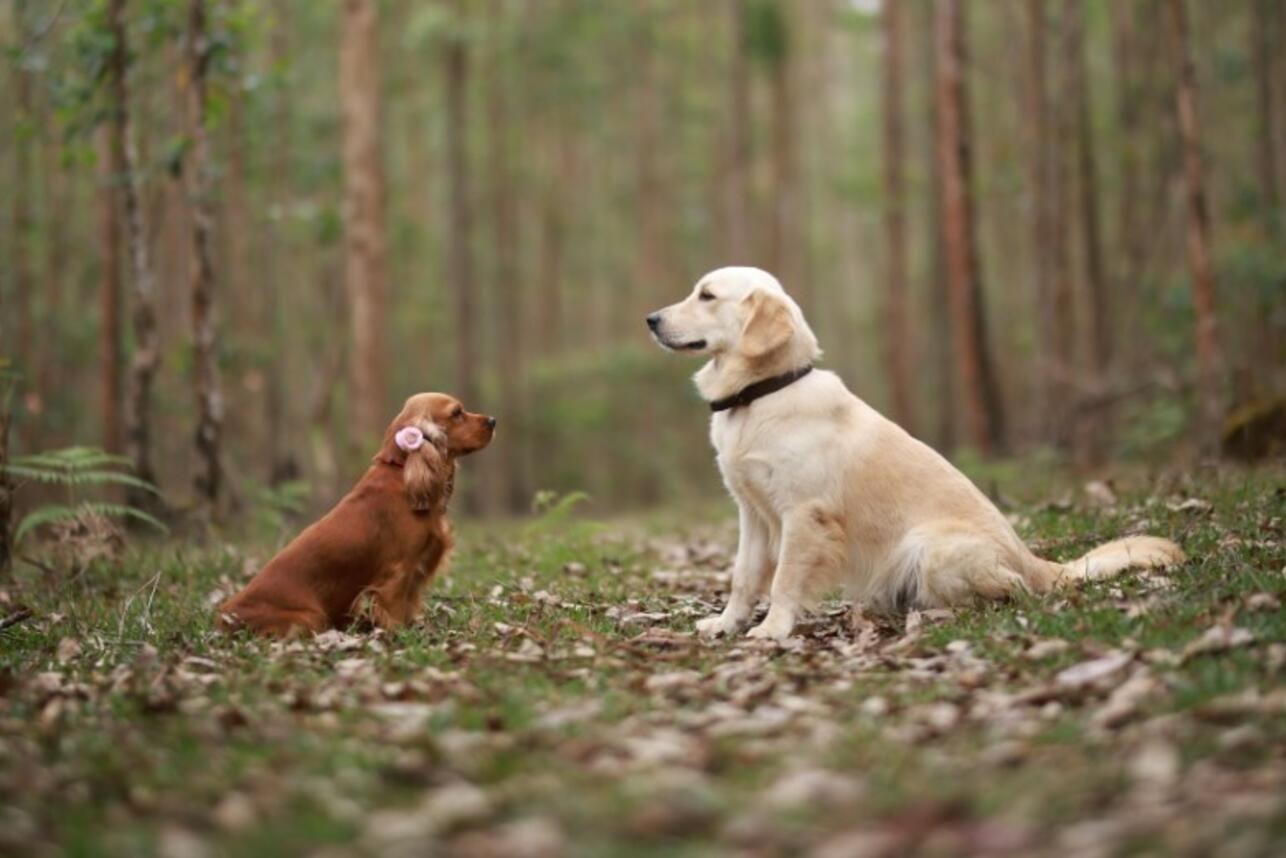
<point>76,470</point>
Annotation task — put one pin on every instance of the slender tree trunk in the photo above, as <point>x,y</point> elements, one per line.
<point>147,348</point>
<point>737,193</point>
<point>1130,247</point>
<point>365,243</point>
<point>110,172</point>
<point>1268,103</point>
<point>209,397</point>
<point>1040,176</point>
<point>459,243</point>
<point>282,464</point>
<point>1061,408</point>
<point>898,347</point>
<point>1203,278</point>
<point>983,408</point>
<point>939,292</point>
<point>23,120</point>
<point>57,181</point>
<point>783,233</point>
<point>1096,344</point>
<point>459,247</point>
<point>507,290</point>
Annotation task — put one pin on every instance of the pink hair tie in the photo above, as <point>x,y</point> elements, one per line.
<point>409,438</point>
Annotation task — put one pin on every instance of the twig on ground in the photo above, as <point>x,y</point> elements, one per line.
<point>15,618</point>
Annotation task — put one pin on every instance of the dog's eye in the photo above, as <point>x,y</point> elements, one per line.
<point>705,296</point>
<point>457,414</point>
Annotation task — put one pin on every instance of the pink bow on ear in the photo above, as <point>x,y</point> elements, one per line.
<point>409,438</point>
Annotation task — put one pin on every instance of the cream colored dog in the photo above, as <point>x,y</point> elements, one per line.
<point>832,494</point>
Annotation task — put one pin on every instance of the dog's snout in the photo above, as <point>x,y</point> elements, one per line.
<point>653,321</point>
<point>491,423</point>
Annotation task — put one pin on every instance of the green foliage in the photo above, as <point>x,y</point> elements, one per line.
<point>76,469</point>
<point>767,32</point>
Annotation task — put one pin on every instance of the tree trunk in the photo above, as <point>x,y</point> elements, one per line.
<point>983,408</point>
<point>460,222</point>
<point>1203,278</point>
<point>23,124</point>
<point>209,398</point>
<point>147,348</point>
<point>110,171</point>
<point>898,347</point>
<point>459,247</point>
<point>783,233</point>
<point>939,292</point>
<point>507,289</point>
<point>1096,343</point>
<point>282,462</point>
<point>737,193</point>
<point>365,243</point>
<point>1268,102</point>
<point>1040,176</point>
<point>1060,407</point>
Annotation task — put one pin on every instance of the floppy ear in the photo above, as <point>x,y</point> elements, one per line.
<point>768,328</point>
<point>427,477</point>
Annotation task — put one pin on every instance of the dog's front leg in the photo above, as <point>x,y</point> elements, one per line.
<point>812,556</point>
<point>749,577</point>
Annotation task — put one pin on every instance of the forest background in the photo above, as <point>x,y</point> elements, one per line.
<point>236,233</point>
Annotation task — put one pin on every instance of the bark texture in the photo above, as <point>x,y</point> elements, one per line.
<point>365,239</point>
<point>205,369</point>
<point>983,410</point>
<point>898,347</point>
<point>1198,208</point>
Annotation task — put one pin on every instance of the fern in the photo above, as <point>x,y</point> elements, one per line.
<point>75,469</point>
<point>54,513</point>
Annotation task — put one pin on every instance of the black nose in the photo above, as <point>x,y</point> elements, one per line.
<point>654,320</point>
<point>491,423</point>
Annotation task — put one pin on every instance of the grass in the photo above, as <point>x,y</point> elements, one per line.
<point>552,700</point>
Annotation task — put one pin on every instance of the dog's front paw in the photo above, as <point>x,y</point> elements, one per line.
<point>712,627</point>
<point>773,628</point>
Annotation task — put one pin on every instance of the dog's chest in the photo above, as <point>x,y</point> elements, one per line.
<point>746,470</point>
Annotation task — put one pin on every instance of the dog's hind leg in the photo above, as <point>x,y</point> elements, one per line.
<point>813,555</point>
<point>751,574</point>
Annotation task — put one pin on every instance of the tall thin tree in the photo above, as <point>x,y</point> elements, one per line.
<point>460,202</point>
<point>983,409</point>
<point>147,347</point>
<point>209,397</point>
<point>365,241</point>
<point>20,198</point>
<point>110,171</point>
<point>737,203</point>
<point>898,347</point>
<point>507,288</point>
<point>1203,278</point>
<point>1039,181</point>
<point>1096,341</point>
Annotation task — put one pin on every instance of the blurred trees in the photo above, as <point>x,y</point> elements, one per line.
<point>487,196</point>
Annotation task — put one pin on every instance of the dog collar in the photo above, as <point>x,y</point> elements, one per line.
<point>749,394</point>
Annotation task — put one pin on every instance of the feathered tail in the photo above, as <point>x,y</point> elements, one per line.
<point>1131,552</point>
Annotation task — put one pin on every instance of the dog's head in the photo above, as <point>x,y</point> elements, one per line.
<point>737,311</point>
<point>425,439</point>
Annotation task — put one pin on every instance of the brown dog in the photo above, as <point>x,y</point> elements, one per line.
<point>377,549</point>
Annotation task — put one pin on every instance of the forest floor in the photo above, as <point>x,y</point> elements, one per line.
<point>554,700</point>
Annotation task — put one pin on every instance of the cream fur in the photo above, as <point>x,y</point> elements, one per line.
<point>832,494</point>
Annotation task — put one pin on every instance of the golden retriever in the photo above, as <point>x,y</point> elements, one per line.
<point>832,494</point>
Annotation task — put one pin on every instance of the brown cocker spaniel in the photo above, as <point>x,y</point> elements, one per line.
<point>373,554</point>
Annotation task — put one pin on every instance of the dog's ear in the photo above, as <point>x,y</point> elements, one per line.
<point>427,477</point>
<point>768,327</point>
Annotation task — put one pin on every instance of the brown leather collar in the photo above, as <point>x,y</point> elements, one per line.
<point>759,389</point>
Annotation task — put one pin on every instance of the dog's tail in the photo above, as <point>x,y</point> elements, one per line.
<point>1131,552</point>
